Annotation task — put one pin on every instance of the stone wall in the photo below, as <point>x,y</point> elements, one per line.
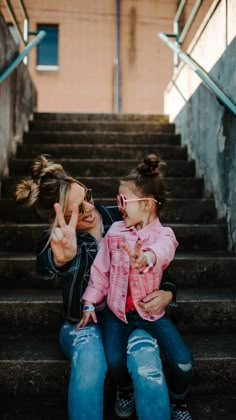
<point>207,128</point>
<point>17,99</point>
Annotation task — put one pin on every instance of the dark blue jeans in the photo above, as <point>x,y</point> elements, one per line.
<point>171,344</point>
<point>84,349</point>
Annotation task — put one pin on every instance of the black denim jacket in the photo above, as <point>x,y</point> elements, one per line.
<point>75,274</point>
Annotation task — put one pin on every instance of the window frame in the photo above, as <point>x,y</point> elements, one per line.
<point>48,67</point>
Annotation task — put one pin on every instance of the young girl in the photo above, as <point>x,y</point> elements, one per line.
<point>128,266</point>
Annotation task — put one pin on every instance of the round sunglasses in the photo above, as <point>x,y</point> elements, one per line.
<point>88,197</point>
<point>121,201</point>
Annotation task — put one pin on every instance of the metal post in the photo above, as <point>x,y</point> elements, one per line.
<point>117,59</point>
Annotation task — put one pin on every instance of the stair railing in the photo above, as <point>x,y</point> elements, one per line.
<point>21,56</point>
<point>179,53</point>
<point>24,37</point>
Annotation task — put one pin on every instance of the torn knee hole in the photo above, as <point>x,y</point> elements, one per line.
<point>151,373</point>
<point>138,343</point>
<point>185,367</point>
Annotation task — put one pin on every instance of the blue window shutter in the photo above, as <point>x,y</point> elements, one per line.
<point>47,52</point>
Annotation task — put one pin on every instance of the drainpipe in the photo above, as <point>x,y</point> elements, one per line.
<point>117,59</point>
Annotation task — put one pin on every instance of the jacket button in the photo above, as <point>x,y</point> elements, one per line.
<point>152,317</point>
<point>135,283</point>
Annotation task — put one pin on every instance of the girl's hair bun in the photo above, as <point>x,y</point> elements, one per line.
<point>150,165</point>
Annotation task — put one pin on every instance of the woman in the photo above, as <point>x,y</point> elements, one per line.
<point>67,252</point>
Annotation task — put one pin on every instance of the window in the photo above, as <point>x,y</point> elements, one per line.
<point>47,51</point>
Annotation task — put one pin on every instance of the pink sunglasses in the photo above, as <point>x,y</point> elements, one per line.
<point>121,201</point>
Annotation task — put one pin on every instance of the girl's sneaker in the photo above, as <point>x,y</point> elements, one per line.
<point>179,410</point>
<point>124,404</point>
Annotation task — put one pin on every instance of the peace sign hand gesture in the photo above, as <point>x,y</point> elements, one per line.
<point>137,256</point>
<point>63,239</point>
<point>139,259</point>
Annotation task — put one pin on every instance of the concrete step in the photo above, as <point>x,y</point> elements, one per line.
<point>188,270</point>
<point>208,270</point>
<point>70,137</point>
<point>36,311</point>
<point>176,210</point>
<point>104,167</point>
<point>205,310</point>
<point>105,187</point>
<point>210,407</point>
<point>98,151</point>
<point>203,270</point>
<point>102,126</point>
<point>191,237</point>
<point>182,188</point>
<point>37,360</point>
<point>83,116</point>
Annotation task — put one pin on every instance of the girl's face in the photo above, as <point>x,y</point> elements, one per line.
<point>135,213</point>
<point>79,196</point>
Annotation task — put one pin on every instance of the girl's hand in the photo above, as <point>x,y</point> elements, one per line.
<point>88,316</point>
<point>63,238</point>
<point>156,302</point>
<point>138,258</point>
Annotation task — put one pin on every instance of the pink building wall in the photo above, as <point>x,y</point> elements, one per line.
<point>84,81</point>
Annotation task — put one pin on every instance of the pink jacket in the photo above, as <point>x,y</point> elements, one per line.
<point>111,271</point>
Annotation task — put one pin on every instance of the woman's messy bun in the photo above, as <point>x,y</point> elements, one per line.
<point>48,184</point>
<point>43,166</point>
<point>27,192</point>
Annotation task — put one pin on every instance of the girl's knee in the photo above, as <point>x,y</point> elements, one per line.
<point>184,365</point>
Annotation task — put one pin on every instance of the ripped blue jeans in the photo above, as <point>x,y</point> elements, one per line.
<point>145,367</point>
<point>88,368</point>
<point>84,348</point>
<point>174,349</point>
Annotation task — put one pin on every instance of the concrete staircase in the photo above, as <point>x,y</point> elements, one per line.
<point>98,148</point>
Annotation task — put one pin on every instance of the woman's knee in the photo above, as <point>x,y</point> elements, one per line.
<point>87,352</point>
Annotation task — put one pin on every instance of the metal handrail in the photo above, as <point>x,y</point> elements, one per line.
<point>179,37</point>
<point>207,80</point>
<point>22,36</point>
<point>21,56</point>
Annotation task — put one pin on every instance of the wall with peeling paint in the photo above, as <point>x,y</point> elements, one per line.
<point>17,98</point>
<point>207,128</point>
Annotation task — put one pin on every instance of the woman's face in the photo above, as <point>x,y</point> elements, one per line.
<point>77,195</point>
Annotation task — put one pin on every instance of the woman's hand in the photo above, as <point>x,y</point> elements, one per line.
<point>156,302</point>
<point>63,238</point>
<point>88,316</point>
